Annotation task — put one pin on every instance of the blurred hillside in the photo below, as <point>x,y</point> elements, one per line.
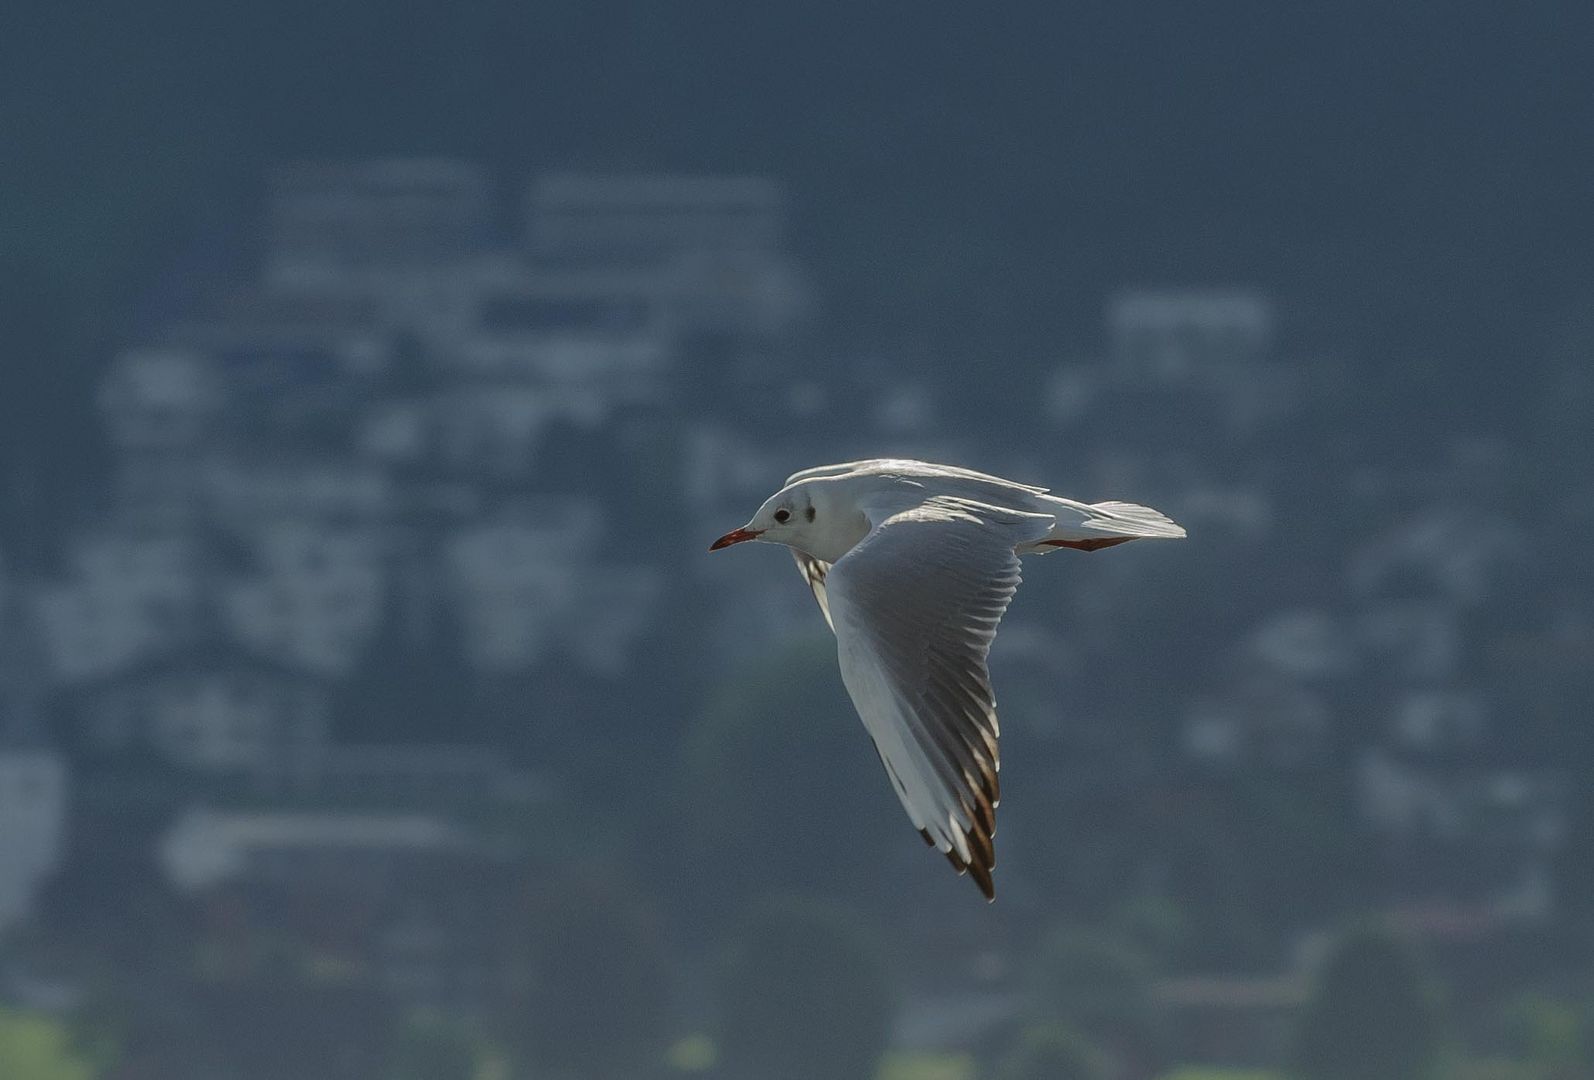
<point>371,382</point>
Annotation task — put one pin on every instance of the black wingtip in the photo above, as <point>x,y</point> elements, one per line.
<point>982,878</point>
<point>980,871</point>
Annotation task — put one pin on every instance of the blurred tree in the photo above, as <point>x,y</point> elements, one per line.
<point>110,922</point>
<point>1100,841</point>
<point>802,994</point>
<point>1554,1035</point>
<point>1297,829</point>
<point>1098,984</point>
<point>285,1026</point>
<point>413,682</point>
<point>1155,925</point>
<point>595,1001</point>
<point>1054,1052</point>
<point>152,1041</point>
<point>1574,865</point>
<point>38,1048</point>
<point>1373,1016</point>
<point>1490,1069</point>
<point>431,1048</point>
<point>1218,855</point>
<point>1187,842</point>
<point>779,787</point>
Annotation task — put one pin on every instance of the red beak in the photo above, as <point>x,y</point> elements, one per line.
<point>735,536</point>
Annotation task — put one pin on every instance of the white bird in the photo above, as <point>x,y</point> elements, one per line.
<point>913,565</point>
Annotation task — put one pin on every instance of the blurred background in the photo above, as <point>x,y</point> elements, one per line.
<point>373,377</point>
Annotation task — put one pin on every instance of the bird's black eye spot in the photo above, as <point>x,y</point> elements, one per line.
<point>809,513</point>
<point>782,515</point>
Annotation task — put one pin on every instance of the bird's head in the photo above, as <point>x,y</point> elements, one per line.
<point>810,515</point>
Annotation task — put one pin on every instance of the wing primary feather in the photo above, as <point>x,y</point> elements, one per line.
<point>982,878</point>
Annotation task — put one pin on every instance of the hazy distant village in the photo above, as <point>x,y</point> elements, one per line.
<point>418,437</point>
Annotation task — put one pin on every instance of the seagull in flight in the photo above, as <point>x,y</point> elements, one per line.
<point>913,565</point>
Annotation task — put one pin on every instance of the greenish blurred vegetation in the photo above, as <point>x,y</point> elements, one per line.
<point>1374,1015</point>
<point>594,1000</point>
<point>773,741</point>
<point>902,1065</point>
<point>1089,987</point>
<point>433,1047</point>
<point>1552,1036</point>
<point>1054,1052</point>
<point>35,1047</point>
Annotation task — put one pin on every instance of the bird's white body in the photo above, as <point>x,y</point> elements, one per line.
<point>913,565</point>
<point>879,487</point>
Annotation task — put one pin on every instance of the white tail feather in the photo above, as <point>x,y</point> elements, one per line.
<point>1077,521</point>
<point>1130,519</point>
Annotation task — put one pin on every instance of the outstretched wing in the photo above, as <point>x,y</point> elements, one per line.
<point>915,606</point>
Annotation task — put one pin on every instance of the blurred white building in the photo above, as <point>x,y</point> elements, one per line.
<point>127,594</point>
<point>1451,553</point>
<point>648,217</point>
<point>252,491</point>
<point>317,599</point>
<point>306,446</point>
<point>583,340</point>
<point>424,898</point>
<point>1521,812</point>
<point>205,848</point>
<point>158,398</point>
<point>1182,335</point>
<point>437,776</point>
<point>328,222</point>
<point>160,406</point>
<point>529,582</point>
<point>1440,720</point>
<point>1307,644</point>
<point>1182,367</point>
<point>216,710</point>
<point>277,319</point>
<point>513,587</point>
<point>1410,640</point>
<point>1264,720</point>
<point>711,247</point>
